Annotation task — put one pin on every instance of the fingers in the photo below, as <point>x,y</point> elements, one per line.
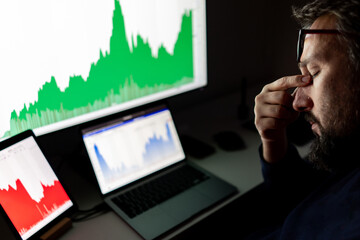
<point>270,119</point>
<point>273,106</point>
<point>279,98</point>
<point>285,83</point>
<point>275,111</point>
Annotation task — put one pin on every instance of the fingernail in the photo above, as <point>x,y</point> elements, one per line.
<point>294,92</point>
<point>306,79</point>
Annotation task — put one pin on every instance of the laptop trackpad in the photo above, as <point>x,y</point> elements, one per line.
<point>185,205</point>
<point>169,214</point>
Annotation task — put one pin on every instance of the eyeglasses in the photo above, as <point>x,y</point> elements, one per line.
<point>302,34</point>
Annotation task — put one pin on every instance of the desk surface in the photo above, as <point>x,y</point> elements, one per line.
<point>241,168</point>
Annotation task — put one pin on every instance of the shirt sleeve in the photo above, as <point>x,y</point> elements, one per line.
<point>291,179</point>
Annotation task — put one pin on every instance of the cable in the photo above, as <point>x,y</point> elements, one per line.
<point>84,215</point>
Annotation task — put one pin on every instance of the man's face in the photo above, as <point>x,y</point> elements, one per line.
<point>330,101</point>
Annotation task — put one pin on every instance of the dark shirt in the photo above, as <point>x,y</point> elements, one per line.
<point>315,204</point>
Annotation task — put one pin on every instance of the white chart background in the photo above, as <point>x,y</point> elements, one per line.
<point>44,38</point>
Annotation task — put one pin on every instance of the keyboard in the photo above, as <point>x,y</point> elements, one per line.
<point>150,194</point>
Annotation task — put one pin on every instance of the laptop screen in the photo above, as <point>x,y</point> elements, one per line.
<point>30,193</point>
<point>134,146</point>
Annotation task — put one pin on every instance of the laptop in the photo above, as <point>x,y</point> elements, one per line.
<point>131,154</point>
<point>32,197</point>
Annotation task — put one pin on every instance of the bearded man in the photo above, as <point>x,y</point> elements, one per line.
<point>322,192</point>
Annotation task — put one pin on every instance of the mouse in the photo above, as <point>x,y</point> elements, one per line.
<point>229,141</point>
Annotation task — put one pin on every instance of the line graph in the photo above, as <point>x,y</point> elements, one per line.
<point>130,67</point>
<point>159,146</point>
<point>24,211</point>
<point>130,150</point>
<point>115,164</point>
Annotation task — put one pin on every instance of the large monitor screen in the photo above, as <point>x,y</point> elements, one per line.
<point>70,61</point>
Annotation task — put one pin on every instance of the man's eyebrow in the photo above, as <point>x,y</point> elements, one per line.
<point>303,64</point>
<point>312,58</point>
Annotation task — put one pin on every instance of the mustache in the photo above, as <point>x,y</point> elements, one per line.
<point>308,116</point>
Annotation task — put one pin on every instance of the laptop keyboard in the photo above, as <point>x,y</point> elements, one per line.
<point>146,196</point>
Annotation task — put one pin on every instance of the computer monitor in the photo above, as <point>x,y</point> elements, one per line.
<point>67,62</point>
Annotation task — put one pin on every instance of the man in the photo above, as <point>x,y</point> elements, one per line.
<point>320,196</point>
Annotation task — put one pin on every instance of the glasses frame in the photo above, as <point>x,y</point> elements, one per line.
<point>302,34</point>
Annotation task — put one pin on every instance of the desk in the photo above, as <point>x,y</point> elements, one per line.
<point>241,168</point>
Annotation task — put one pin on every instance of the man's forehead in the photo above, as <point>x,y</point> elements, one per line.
<point>327,21</point>
<point>323,22</point>
<point>317,46</point>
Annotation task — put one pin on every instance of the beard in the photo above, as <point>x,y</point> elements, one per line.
<point>333,154</point>
<point>331,151</point>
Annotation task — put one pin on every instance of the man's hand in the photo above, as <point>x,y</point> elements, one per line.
<point>274,112</point>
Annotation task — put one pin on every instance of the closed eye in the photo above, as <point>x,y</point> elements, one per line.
<point>315,75</point>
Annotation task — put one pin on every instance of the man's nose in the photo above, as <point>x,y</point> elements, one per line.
<point>302,101</point>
